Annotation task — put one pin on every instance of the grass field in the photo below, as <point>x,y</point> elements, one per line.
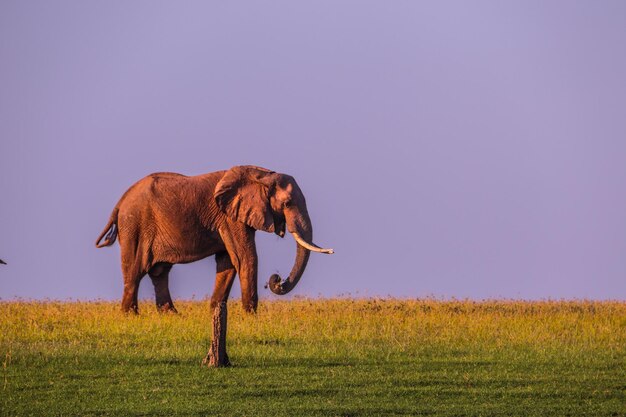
<point>317,357</point>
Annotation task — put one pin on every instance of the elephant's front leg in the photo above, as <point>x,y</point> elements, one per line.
<point>217,356</point>
<point>224,277</point>
<point>241,247</point>
<point>248,280</point>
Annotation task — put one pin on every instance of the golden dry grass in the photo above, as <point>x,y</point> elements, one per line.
<point>405,345</point>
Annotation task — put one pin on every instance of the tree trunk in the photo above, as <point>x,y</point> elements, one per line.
<point>217,356</point>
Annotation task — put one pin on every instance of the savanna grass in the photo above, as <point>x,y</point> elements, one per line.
<point>317,357</point>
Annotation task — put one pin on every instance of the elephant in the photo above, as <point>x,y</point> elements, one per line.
<point>168,218</point>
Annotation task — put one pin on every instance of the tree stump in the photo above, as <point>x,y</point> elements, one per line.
<point>217,356</point>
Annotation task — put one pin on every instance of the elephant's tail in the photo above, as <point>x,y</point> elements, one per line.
<point>110,231</point>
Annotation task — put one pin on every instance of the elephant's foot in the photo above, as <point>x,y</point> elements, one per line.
<point>249,310</point>
<point>217,356</point>
<point>212,361</point>
<point>167,308</point>
<point>131,309</point>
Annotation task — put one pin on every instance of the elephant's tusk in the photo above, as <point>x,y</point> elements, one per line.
<point>309,246</point>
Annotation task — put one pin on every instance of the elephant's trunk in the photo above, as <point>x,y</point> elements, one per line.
<point>280,287</point>
<point>300,226</point>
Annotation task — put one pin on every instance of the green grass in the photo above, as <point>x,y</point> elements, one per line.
<point>317,357</point>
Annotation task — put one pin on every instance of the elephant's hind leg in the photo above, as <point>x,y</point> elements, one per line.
<point>132,278</point>
<point>159,274</point>
<point>132,269</point>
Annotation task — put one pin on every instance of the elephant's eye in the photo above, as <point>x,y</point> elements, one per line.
<point>287,204</point>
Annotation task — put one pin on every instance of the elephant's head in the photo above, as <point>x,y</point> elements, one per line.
<point>269,201</point>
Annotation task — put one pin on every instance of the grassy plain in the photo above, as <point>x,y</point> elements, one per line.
<point>317,357</point>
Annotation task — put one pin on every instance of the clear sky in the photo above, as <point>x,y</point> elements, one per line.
<point>446,148</point>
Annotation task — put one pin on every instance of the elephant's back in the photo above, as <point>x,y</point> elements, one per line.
<point>160,203</point>
<point>165,175</point>
<point>160,189</point>
<point>169,197</point>
<point>168,188</point>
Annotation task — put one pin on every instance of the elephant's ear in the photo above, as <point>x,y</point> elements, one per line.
<point>243,194</point>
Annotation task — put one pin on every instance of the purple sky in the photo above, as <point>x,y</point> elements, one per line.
<point>445,148</point>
